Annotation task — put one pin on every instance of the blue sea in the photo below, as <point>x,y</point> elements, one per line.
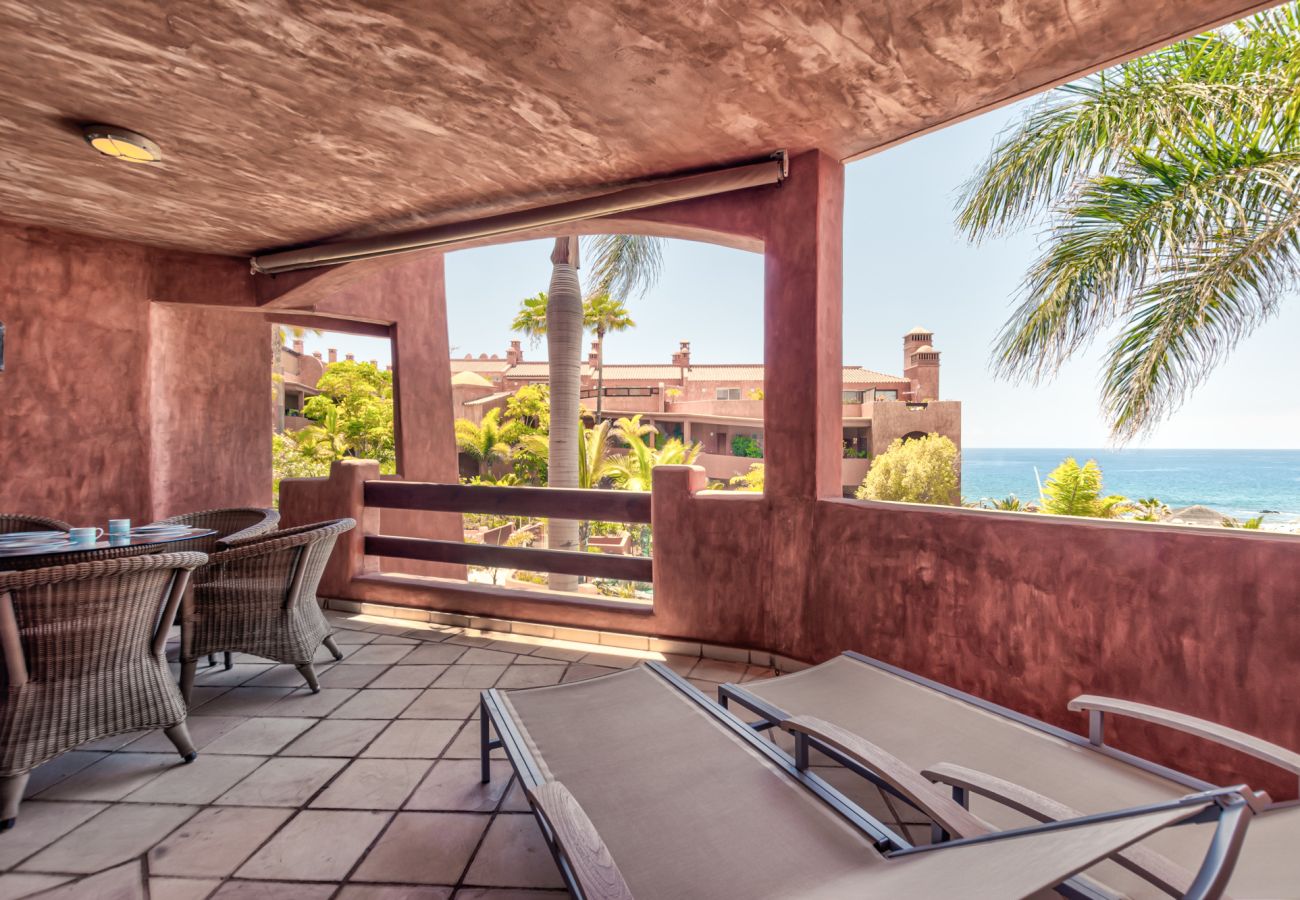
<point>1240,483</point>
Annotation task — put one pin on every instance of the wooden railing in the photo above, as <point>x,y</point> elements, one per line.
<point>554,503</point>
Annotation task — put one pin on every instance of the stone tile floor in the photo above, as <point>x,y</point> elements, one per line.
<point>368,790</point>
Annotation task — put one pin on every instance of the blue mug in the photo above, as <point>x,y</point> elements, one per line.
<point>85,535</point>
<point>119,527</point>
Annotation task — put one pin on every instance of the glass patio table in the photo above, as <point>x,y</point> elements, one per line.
<point>57,553</point>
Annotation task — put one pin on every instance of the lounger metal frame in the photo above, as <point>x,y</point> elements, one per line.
<point>773,716</point>
<point>1231,811</point>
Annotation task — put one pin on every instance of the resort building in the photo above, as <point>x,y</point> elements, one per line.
<point>721,406</point>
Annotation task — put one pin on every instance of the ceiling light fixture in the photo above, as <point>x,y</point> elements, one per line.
<point>122,144</point>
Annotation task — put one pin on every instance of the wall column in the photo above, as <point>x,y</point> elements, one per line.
<point>413,296</point>
<point>802,314</point>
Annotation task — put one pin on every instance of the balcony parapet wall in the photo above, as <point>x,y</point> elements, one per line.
<point>1026,610</point>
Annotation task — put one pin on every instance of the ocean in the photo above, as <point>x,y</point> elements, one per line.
<point>1240,483</point>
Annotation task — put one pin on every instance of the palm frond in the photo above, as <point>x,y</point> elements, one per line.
<point>1185,325</point>
<point>1074,132</point>
<point>622,265</point>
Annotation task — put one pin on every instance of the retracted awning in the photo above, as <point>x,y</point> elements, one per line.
<point>641,196</point>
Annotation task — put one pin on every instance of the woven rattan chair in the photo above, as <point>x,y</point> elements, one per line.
<point>84,658</point>
<point>260,598</point>
<point>231,525</point>
<point>13,522</point>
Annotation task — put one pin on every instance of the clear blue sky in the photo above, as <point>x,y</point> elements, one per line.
<point>904,266</point>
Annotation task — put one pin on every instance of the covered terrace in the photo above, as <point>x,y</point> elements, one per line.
<point>315,141</point>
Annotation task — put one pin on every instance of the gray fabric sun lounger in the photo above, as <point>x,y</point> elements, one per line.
<point>645,788</point>
<point>1014,769</point>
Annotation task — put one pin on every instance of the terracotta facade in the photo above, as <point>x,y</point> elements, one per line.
<point>108,407</point>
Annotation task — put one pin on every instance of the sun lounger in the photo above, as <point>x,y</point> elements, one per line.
<point>645,788</point>
<point>1013,768</point>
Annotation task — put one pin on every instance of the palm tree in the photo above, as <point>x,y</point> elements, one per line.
<point>1075,490</point>
<point>595,463</point>
<point>637,466</point>
<point>485,443</point>
<point>622,263</point>
<point>603,314</point>
<point>1172,188</point>
<point>530,321</point>
<point>326,439</point>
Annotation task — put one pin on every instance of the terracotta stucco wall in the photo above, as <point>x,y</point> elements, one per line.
<point>210,414</point>
<point>74,396</point>
<point>107,401</point>
<point>1032,610</point>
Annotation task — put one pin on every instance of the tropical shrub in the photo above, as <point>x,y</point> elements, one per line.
<point>531,407</point>
<point>746,445</point>
<point>751,480</point>
<point>1076,490</point>
<point>1149,509</point>
<point>920,470</point>
<point>637,466</point>
<point>487,442</point>
<point>360,397</point>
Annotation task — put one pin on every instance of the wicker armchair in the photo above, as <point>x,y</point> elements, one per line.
<point>260,598</point>
<point>12,522</point>
<point>230,525</point>
<point>84,658</point>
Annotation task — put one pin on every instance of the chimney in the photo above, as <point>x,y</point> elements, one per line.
<point>375,363</point>
<point>351,358</point>
<point>515,355</point>
<point>388,368</point>
<point>316,353</point>
<point>297,346</point>
<point>593,357</point>
<point>921,364</point>
<point>682,358</point>
<point>334,355</point>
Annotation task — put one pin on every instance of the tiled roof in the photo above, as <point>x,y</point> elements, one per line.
<point>489,399</point>
<point>852,374</point>
<point>470,379</point>
<point>726,373</point>
<point>657,372</point>
<point>859,375</point>
<point>634,372</point>
<point>541,369</point>
<point>479,365</point>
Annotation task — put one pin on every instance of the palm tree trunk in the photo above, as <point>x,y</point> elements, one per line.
<point>600,371</point>
<point>564,349</point>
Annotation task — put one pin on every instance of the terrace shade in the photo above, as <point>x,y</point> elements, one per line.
<point>658,193</point>
<point>284,125</point>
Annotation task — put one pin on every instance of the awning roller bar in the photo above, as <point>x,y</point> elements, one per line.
<point>657,193</point>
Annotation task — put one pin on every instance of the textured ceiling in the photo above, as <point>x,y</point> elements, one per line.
<point>287,122</point>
